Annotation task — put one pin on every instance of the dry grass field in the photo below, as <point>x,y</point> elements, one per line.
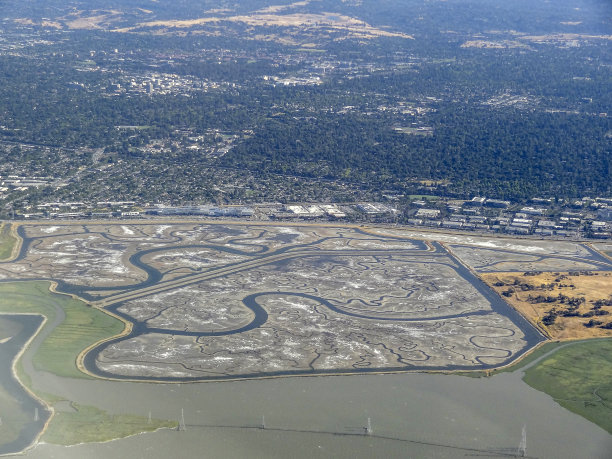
<point>296,24</point>
<point>565,305</point>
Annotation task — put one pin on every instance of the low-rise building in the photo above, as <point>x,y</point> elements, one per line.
<point>332,211</point>
<point>528,210</point>
<point>478,201</point>
<point>517,229</point>
<point>427,213</point>
<point>598,226</point>
<point>522,222</point>
<point>605,213</point>
<point>502,221</point>
<point>477,219</point>
<point>452,225</point>
<point>497,203</point>
<point>371,208</point>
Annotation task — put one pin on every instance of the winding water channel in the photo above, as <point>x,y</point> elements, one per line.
<point>262,255</point>
<point>532,336</point>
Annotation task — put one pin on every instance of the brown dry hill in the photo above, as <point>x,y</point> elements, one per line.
<point>564,305</point>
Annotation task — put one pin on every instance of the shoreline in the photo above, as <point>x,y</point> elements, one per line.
<point>15,374</point>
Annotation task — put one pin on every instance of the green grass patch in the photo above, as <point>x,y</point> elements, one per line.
<point>547,347</point>
<point>579,378</point>
<point>86,424</point>
<point>82,326</point>
<point>7,241</point>
<point>539,352</point>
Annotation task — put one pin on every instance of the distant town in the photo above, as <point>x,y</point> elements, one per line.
<point>588,217</point>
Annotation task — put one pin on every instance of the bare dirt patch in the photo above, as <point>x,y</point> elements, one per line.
<point>97,20</point>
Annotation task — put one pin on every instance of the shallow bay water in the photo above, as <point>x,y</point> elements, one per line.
<point>420,415</point>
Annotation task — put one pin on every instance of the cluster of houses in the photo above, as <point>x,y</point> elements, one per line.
<point>12,183</point>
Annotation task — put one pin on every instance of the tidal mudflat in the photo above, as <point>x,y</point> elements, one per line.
<point>220,320</point>
<point>209,301</point>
